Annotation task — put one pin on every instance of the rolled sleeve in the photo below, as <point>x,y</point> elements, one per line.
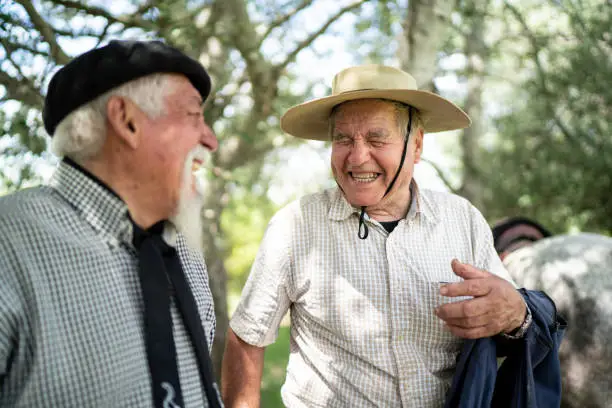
<point>264,301</point>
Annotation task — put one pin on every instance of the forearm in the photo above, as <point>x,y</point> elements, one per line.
<point>241,373</point>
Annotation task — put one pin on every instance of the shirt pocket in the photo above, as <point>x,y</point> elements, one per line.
<point>429,330</point>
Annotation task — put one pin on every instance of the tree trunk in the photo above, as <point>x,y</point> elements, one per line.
<point>214,251</point>
<point>477,55</point>
<point>425,29</point>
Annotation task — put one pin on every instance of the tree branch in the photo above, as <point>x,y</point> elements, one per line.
<point>131,20</point>
<point>244,34</point>
<point>85,32</point>
<point>196,28</point>
<point>23,80</point>
<point>146,6</point>
<point>9,57</point>
<point>261,73</point>
<point>576,15</point>
<point>221,101</point>
<point>11,47</point>
<point>57,53</point>
<point>102,35</point>
<point>542,77</point>
<point>247,153</point>
<point>441,175</point>
<point>283,19</point>
<point>17,90</point>
<point>457,27</point>
<point>309,40</point>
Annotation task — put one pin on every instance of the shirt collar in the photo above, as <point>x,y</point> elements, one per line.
<point>420,206</point>
<point>97,203</point>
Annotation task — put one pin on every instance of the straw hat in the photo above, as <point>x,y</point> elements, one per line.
<point>310,120</point>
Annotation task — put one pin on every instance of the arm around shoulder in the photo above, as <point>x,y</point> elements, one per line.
<point>241,373</point>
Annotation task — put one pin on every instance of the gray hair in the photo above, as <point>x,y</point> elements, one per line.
<point>401,117</point>
<point>82,133</point>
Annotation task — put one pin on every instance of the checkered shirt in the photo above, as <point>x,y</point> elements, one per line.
<point>363,328</point>
<point>71,309</point>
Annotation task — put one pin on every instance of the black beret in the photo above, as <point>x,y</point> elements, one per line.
<point>97,71</point>
<point>510,230</point>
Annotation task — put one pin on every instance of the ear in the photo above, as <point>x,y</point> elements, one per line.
<point>418,144</point>
<point>124,119</point>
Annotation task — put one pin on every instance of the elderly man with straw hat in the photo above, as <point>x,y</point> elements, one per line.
<point>383,279</point>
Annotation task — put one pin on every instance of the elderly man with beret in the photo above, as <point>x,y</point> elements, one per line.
<point>104,295</point>
<point>383,279</point>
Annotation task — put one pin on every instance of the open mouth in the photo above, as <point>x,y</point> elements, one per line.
<point>196,165</point>
<point>363,177</point>
<point>198,174</point>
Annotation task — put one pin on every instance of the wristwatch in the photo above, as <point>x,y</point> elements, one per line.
<point>520,331</point>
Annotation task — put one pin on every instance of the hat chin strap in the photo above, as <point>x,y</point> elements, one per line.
<point>363,231</point>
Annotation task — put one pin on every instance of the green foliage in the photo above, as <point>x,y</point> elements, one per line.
<point>553,158</point>
<point>275,368</point>
<point>25,125</point>
<point>21,145</point>
<point>375,30</point>
<point>244,221</point>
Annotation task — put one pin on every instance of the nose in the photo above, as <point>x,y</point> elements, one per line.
<point>359,154</point>
<point>208,138</point>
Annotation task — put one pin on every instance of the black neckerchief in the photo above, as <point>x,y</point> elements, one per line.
<point>161,277</point>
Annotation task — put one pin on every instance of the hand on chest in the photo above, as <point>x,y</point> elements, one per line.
<point>381,290</point>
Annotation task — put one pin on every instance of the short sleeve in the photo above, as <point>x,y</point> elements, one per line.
<point>264,301</point>
<point>485,256</point>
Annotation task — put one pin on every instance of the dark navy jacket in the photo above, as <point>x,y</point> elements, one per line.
<point>529,377</point>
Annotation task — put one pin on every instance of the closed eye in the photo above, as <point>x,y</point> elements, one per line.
<point>343,140</point>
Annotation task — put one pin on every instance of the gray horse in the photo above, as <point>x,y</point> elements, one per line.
<point>576,272</point>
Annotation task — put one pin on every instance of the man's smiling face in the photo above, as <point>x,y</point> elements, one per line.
<point>367,146</point>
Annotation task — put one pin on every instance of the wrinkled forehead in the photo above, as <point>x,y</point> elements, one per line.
<point>365,116</point>
<point>182,95</point>
<point>363,106</point>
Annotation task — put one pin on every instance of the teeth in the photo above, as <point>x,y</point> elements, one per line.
<point>199,177</point>
<point>198,170</point>
<point>364,177</point>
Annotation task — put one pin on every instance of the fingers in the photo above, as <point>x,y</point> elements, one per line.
<point>473,287</point>
<point>495,306</point>
<point>463,309</point>
<point>467,271</point>
<point>470,319</point>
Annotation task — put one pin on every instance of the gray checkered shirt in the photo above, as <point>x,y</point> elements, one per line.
<point>71,310</point>
<point>363,328</point>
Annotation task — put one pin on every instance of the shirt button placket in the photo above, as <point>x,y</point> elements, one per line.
<point>397,318</point>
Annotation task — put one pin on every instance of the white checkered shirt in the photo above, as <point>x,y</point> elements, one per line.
<point>71,310</point>
<point>363,328</point>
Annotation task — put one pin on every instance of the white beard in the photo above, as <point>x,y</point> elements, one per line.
<point>188,216</point>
